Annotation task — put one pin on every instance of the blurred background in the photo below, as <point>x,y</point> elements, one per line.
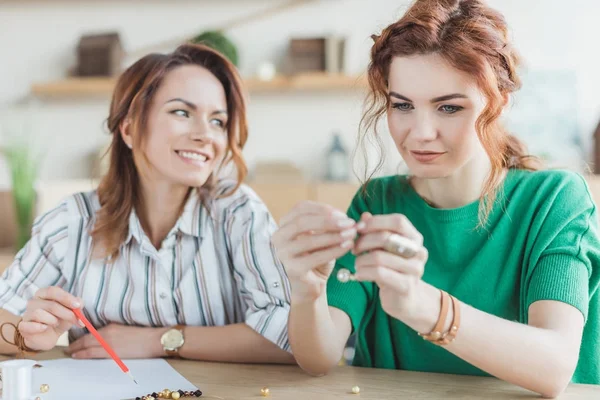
<point>303,62</point>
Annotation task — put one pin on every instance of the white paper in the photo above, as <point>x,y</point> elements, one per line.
<point>71,379</point>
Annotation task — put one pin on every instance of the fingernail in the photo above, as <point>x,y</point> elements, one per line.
<point>361,226</point>
<point>347,244</point>
<point>76,304</point>
<point>339,214</point>
<point>44,327</point>
<point>75,355</point>
<point>348,233</point>
<point>81,324</point>
<point>346,223</point>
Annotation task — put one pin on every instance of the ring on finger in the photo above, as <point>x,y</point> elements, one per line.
<point>401,246</point>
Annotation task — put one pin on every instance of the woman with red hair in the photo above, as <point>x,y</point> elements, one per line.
<point>478,262</point>
<point>166,257</point>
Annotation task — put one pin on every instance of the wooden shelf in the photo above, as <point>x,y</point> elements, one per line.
<point>75,87</point>
<point>307,82</point>
<point>102,87</point>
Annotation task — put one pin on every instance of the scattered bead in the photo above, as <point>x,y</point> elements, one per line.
<point>355,389</point>
<point>44,388</point>
<point>265,391</point>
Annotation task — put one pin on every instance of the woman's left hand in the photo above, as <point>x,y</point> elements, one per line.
<point>126,341</point>
<point>398,278</point>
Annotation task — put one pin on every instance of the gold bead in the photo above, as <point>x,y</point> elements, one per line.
<point>167,393</point>
<point>175,395</point>
<point>44,388</point>
<point>265,391</point>
<point>355,389</point>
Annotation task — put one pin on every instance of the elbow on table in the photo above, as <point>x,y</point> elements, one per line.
<point>553,390</point>
<point>554,385</point>
<point>315,369</point>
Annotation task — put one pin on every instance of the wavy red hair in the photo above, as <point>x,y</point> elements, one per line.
<point>473,38</point>
<point>119,190</point>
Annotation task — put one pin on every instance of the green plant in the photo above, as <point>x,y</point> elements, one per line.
<point>23,166</point>
<point>218,41</point>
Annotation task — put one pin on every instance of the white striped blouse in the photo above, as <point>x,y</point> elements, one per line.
<point>215,267</point>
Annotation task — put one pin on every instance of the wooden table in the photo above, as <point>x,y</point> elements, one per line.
<point>286,382</point>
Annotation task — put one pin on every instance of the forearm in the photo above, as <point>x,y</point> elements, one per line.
<point>231,343</point>
<point>534,358</point>
<point>8,332</point>
<point>315,341</point>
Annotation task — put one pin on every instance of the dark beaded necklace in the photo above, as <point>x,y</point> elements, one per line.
<point>168,394</point>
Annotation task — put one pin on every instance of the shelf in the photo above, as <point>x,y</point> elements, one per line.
<point>307,82</point>
<point>102,87</point>
<point>75,87</point>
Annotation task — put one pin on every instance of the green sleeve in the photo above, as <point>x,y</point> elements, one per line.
<point>566,254</point>
<point>352,297</point>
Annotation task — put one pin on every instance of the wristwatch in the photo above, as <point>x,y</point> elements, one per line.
<point>172,340</point>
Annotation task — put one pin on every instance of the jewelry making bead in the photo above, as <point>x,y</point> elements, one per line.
<point>265,391</point>
<point>344,275</point>
<point>44,388</point>
<point>355,389</point>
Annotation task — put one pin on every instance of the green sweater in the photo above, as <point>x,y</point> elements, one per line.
<point>541,243</point>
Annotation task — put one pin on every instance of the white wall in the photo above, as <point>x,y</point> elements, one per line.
<point>38,40</point>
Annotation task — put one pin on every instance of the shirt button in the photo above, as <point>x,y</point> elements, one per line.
<point>275,284</point>
<point>163,295</point>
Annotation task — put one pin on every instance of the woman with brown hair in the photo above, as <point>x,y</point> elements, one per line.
<point>478,262</point>
<point>165,258</point>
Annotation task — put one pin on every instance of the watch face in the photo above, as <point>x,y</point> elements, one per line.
<point>172,339</point>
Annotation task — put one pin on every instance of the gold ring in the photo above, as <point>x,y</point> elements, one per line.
<point>401,246</point>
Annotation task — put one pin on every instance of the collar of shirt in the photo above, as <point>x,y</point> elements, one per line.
<point>188,223</point>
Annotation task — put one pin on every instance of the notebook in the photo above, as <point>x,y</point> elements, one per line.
<point>71,379</point>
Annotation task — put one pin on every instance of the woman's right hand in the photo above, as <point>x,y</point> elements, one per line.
<point>49,314</point>
<point>311,237</point>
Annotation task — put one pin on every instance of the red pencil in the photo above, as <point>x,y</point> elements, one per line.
<point>108,349</point>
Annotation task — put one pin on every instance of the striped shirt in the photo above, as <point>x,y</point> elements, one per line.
<point>215,267</point>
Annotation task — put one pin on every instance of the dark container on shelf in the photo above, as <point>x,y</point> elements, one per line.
<point>99,55</point>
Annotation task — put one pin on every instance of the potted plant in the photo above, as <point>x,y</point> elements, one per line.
<point>219,42</point>
<point>23,167</point>
<point>23,161</point>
